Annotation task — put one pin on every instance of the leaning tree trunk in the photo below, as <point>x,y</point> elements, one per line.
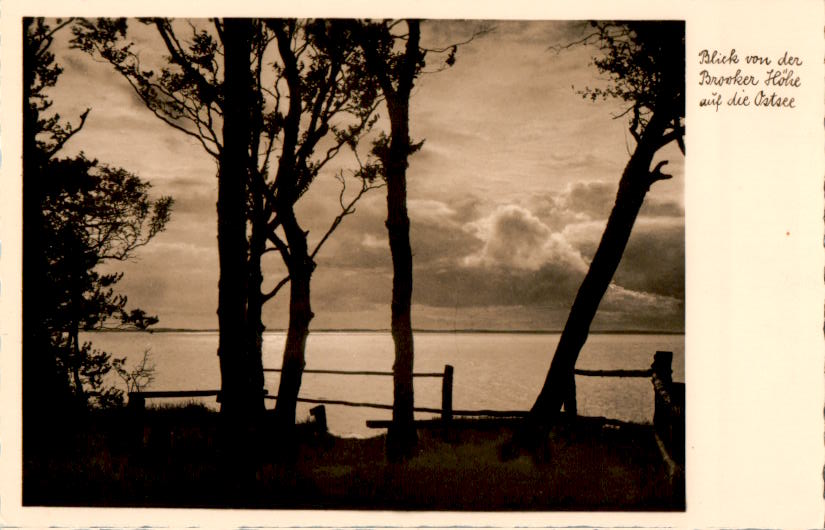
<point>633,186</point>
<point>238,397</point>
<point>300,266</point>
<point>401,435</point>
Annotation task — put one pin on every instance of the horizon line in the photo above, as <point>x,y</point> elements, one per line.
<point>415,330</point>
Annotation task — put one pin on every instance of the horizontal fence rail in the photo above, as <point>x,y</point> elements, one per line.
<point>355,372</point>
<point>614,373</point>
<point>174,393</point>
<point>322,401</point>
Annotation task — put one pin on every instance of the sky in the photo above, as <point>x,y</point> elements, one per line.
<point>507,198</point>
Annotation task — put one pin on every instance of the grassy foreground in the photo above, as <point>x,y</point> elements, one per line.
<point>176,457</point>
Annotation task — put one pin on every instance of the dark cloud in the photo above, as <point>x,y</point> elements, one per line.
<point>654,207</point>
<point>512,259</point>
<point>549,286</point>
<point>654,260</point>
<point>594,199</point>
<point>195,200</point>
<point>174,280</point>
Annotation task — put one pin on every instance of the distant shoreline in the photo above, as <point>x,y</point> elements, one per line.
<point>458,331</point>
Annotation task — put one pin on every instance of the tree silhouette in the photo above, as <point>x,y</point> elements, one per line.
<point>322,73</point>
<point>394,59</point>
<point>93,213</point>
<point>78,213</point>
<point>646,64</point>
<point>45,389</point>
<point>395,73</point>
<point>241,370</point>
<point>314,96</point>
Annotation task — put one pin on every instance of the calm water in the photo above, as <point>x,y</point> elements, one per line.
<point>492,370</point>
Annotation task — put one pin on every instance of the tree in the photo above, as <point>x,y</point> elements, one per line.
<point>394,61</point>
<point>44,387</point>
<point>78,214</point>
<point>140,376</point>
<point>92,214</point>
<point>317,97</point>
<point>321,70</point>
<point>241,382</point>
<point>646,63</point>
<point>190,95</point>
<point>395,73</point>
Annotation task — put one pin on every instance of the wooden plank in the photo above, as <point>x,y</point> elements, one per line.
<point>355,372</point>
<point>614,373</point>
<point>437,422</point>
<point>174,393</point>
<point>357,404</point>
<point>492,413</point>
<point>447,394</point>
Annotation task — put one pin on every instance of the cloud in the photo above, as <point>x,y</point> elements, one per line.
<point>654,207</point>
<point>515,238</point>
<point>588,200</point>
<point>528,264</point>
<point>593,198</point>
<point>654,260</point>
<point>430,211</point>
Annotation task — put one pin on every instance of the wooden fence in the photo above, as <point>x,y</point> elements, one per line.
<point>669,406</point>
<point>137,400</point>
<point>669,412</point>
<point>446,411</point>
<point>668,417</point>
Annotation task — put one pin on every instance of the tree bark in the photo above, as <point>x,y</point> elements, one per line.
<point>238,395</point>
<point>255,299</point>
<point>300,267</point>
<point>401,436</point>
<point>297,260</point>
<point>633,186</point>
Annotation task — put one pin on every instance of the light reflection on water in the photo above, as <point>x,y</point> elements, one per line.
<point>492,370</point>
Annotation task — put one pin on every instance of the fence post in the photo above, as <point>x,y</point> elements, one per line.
<point>663,366</point>
<point>668,414</point>
<point>136,401</point>
<point>137,429</point>
<point>662,378</point>
<point>447,394</point>
<point>320,415</point>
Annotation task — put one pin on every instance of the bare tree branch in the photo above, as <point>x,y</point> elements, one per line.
<point>66,134</point>
<point>266,297</point>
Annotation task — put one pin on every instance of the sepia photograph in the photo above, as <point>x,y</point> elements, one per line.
<point>362,264</point>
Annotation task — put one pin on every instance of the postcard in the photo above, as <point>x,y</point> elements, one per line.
<point>485,265</point>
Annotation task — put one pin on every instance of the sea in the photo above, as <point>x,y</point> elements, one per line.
<point>492,370</point>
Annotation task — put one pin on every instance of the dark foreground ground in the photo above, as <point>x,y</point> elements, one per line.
<point>177,457</point>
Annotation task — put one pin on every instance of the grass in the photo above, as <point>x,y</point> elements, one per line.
<point>179,456</point>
